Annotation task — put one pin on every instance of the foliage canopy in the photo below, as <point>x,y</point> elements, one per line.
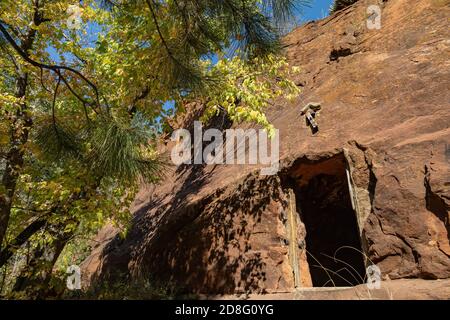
<point>81,109</point>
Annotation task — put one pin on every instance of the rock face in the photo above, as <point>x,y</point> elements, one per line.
<point>381,157</point>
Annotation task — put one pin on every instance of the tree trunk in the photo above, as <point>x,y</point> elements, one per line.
<point>14,158</point>
<point>34,279</point>
<point>20,127</point>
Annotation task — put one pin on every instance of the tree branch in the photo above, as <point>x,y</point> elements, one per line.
<point>21,238</point>
<point>53,107</point>
<point>55,68</point>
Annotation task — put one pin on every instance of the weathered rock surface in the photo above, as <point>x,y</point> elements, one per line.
<point>385,105</point>
<point>401,289</point>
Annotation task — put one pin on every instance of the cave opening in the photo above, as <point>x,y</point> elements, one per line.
<point>333,244</point>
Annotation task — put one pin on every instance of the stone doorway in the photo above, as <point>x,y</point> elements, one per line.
<point>331,244</point>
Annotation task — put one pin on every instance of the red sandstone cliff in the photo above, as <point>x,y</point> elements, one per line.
<point>385,119</point>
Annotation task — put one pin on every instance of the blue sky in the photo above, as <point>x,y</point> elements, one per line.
<point>318,9</point>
